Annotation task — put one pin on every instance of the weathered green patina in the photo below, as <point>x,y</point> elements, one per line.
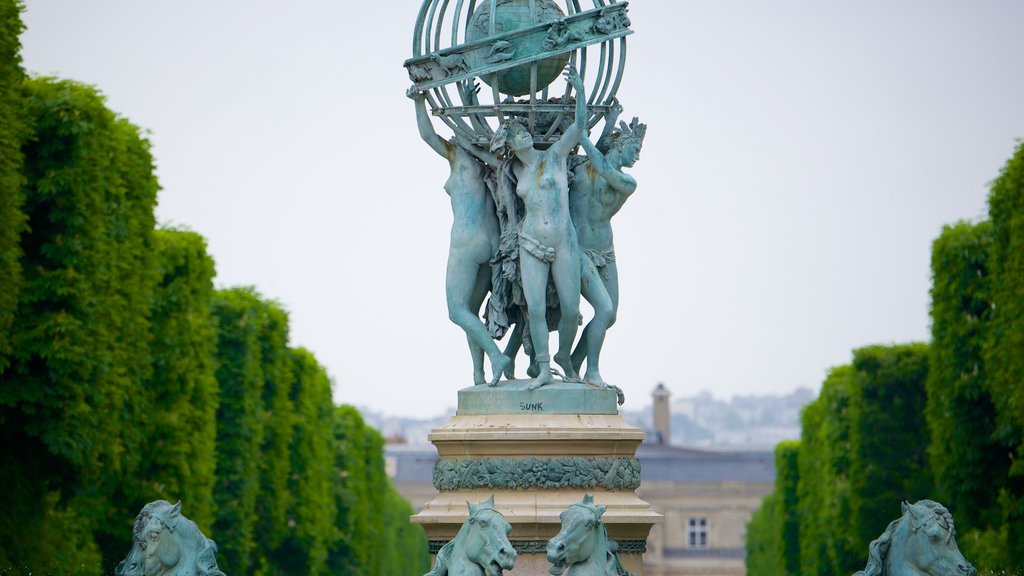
<point>480,547</point>
<point>165,543</point>
<point>488,52</point>
<point>597,192</point>
<point>511,164</point>
<point>541,546</point>
<point>510,15</point>
<point>514,397</point>
<point>922,542</point>
<point>582,547</point>
<point>537,473</point>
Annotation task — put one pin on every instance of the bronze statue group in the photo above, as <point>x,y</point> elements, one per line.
<point>532,228</point>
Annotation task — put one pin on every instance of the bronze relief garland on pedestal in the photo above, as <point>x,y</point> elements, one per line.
<point>537,473</point>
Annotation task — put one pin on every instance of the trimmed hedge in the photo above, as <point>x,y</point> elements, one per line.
<point>13,131</point>
<point>889,437</point>
<point>969,464</point>
<point>80,333</point>
<point>772,541</point>
<point>310,518</point>
<point>824,479</point>
<point>862,451</point>
<point>787,460</point>
<point>1004,351</point>
<point>764,541</point>
<point>367,546</point>
<point>241,425</point>
<point>127,378</point>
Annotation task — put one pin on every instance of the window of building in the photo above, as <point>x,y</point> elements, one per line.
<point>697,533</point>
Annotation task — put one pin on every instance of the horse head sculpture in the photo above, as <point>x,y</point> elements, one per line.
<point>165,543</point>
<point>481,548</point>
<point>922,542</point>
<point>582,547</point>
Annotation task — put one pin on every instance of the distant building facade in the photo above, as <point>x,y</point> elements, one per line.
<point>707,499</point>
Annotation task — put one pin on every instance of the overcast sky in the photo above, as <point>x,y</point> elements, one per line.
<point>800,159</point>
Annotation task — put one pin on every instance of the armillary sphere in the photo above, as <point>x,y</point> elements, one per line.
<point>518,48</point>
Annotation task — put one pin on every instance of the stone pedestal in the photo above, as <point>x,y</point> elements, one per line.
<point>538,452</point>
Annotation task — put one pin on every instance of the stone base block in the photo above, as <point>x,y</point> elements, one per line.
<point>537,464</point>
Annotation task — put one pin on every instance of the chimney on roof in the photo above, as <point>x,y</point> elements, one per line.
<point>661,414</point>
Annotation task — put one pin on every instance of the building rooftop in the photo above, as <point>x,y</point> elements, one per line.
<point>414,463</point>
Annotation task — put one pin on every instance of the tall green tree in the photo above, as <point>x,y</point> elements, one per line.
<point>279,422</point>
<point>348,554</point>
<point>1004,350</point>
<point>889,437</point>
<point>312,513</point>
<point>969,463</point>
<point>240,317</point>
<point>823,487</point>
<point>13,132</point>
<point>179,458</point>
<point>376,538</point>
<point>773,542</point>
<point>787,524</point>
<point>175,408</point>
<point>763,540</point>
<point>80,333</point>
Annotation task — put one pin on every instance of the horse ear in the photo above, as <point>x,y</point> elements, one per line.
<point>915,513</point>
<point>600,510</point>
<point>173,516</point>
<point>472,509</point>
<point>588,499</point>
<point>489,502</point>
<point>904,507</point>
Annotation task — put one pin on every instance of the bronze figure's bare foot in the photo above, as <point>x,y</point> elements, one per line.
<point>594,377</point>
<point>499,365</point>
<point>565,362</point>
<point>479,377</point>
<point>542,379</point>
<point>510,370</point>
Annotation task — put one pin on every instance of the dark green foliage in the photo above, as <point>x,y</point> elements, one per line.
<point>773,543</point>
<point>80,333</point>
<point>787,523</point>
<point>179,458</point>
<point>242,322</point>
<point>811,484</point>
<point>969,464</point>
<point>176,408</point>
<point>1004,351</point>
<point>349,554</point>
<point>863,450</point>
<point>889,438</point>
<point>764,541</point>
<point>410,556</point>
<point>279,414</point>
<point>824,479</point>
<point>369,546</point>
<point>13,131</point>
<point>312,513</point>
<point>125,378</point>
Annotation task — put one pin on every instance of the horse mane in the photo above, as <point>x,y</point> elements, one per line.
<point>939,514</point>
<point>878,549</point>
<point>441,565</point>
